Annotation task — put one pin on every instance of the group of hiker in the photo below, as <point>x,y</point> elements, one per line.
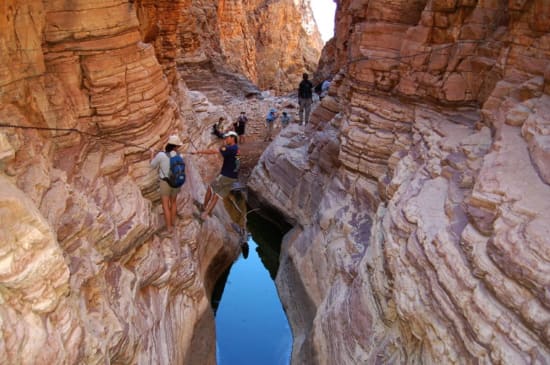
<point>165,162</point>
<point>239,127</point>
<point>171,167</point>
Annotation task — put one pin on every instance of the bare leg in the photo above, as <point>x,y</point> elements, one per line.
<point>207,197</point>
<point>173,209</point>
<point>210,206</point>
<point>166,209</point>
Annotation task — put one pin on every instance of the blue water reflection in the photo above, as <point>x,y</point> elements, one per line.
<point>251,326</point>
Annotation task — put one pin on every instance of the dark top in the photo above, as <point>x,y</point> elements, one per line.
<point>231,160</point>
<point>240,125</point>
<point>305,89</point>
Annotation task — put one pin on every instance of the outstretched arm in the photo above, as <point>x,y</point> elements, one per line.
<point>205,152</point>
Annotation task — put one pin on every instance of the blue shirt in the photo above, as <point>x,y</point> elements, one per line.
<point>231,161</point>
<point>270,116</point>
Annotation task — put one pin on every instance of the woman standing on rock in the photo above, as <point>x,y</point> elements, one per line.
<point>168,194</point>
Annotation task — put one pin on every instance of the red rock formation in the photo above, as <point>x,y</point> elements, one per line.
<point>269,42</point>
<point>419,194</point>
<point>87,275</point>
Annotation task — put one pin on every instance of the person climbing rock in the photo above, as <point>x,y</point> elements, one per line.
<point>168,194</point>
<point>239,127</point>
<point>222,185</point>
<point>305,95</point>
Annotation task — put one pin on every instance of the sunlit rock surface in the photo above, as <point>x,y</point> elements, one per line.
<point>88,274</point>
<point>220,45</point>
<point>419,193</point>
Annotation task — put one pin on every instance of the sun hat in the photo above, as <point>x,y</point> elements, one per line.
<point>230,134</point>
<point>175,140</point>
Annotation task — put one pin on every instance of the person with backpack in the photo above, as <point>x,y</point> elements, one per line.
<point>305,98</point>
<point>171,170</point>
<point>269,121</point>
<point>222,185</point>
<point>239,126</point>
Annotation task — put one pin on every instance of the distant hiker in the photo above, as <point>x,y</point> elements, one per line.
<point>324,89</point>
<point>223,183</point>
<point>305,94</point>
<point>240,125</point>
<point>285,120</point>
<point>217,129</point>
<point>269,121</point>
<point>168,194</point>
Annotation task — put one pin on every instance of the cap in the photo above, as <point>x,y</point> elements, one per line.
<point>175,140</point>
<point>228,134</point>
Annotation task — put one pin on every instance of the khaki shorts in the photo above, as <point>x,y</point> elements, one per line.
<point>223,185</point>
<point>167,190</point>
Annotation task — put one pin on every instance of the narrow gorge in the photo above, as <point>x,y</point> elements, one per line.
<point>418,194</point>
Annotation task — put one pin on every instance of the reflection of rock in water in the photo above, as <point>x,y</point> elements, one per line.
<point>268,237</point>
<point>245,249</point>
<point>218,290</point>
<point>235,204</point>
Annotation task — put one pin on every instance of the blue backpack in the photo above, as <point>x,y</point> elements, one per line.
<point>176,177</point>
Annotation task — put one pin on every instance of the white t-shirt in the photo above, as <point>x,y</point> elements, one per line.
<point>162,162</point>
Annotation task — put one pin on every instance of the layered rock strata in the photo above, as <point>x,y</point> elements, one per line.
<point>269,43</point>
<point>88,274</point>
<point>419,192</point>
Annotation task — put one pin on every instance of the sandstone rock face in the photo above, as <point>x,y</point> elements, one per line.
<point>87,273</point>
<point>419,192</point>
<point>213,42</point>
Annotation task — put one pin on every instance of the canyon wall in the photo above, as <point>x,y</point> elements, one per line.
<point>268,43</point>
<point>88,274</point>
<point>419,192</point>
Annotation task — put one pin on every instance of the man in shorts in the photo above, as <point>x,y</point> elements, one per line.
<point>223,183</point>
<point>161,162</point>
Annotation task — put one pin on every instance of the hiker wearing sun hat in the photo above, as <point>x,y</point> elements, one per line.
<point>223,183</point>
<point>168,194</point>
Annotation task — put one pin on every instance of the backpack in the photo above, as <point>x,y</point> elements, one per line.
<point>176,178</point>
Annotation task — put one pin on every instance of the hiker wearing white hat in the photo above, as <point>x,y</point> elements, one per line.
<point>223,183</point>
<point>171,171</point>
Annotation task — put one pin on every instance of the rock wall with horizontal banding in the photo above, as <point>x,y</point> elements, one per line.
<point>419,192</point>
